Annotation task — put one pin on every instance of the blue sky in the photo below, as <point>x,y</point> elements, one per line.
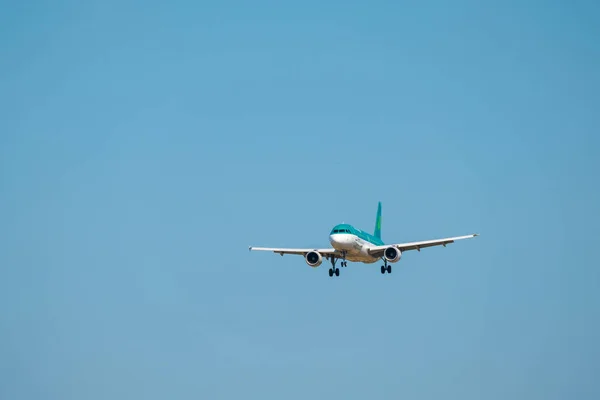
<point>145,145</point>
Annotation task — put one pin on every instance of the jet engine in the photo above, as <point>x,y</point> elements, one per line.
<point>313,258</point>
<point>392,254</point>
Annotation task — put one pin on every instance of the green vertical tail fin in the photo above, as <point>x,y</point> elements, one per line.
<point>377,233</point>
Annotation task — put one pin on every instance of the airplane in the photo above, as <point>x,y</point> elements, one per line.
<point>352,244</point>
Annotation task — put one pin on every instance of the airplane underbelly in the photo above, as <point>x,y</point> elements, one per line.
<point>360,257</point>
<point>359,253</point>
<point>356,249</point>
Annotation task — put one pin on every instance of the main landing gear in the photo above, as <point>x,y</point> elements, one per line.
<point>386,268</point>
<point>334,270</point>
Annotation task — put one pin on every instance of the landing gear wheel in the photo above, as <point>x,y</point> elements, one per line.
<point>389,269</point>
<point>337,272</point>
<point>382,269</point>
<point>330,272</point>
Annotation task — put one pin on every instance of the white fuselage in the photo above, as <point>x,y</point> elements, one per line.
<point>356,248</point>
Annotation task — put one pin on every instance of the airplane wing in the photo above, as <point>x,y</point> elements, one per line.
<point>377,251</point>
<point>282,251</point>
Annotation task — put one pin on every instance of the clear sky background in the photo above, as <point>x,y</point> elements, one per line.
<point>145,145</point>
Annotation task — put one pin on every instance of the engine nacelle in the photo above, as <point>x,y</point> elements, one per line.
<point>392,254</point>
<point>313,258</point>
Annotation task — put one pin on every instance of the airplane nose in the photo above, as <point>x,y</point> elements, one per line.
<point>339,240</point>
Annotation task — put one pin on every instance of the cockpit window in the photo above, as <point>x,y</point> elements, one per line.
<point>341,230</point>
